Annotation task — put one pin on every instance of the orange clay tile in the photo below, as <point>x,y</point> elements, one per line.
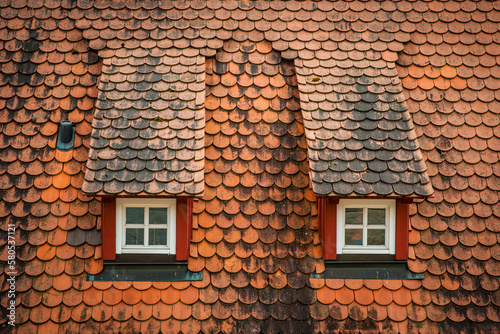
<point>396,312</point>
<point>344,296</point>
<point>382,296</point>
<point>181,311</point>
<point>363,296</point>
<point>357,312</point>
<point>40,314</point>
<point>101,312</point>
<point>170,296</point>
<point>142,312</point>
<point>338,311</point>
<point>189,296</point>
<point>162,311</point>
<point>325,295</point>
<point>131,296</point>
<point>92,297</point>
<point>401,297</point>
<point>121,312</point>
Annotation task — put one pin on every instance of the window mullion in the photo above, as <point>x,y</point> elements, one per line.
<point>387,227</point>
<point>146,226</point>
<point>124,225</point>
<point>365,227</point>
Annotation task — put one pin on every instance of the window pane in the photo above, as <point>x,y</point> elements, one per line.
<point>354,216</point>
<point>134,216</point>
<point>376,237</point>
<point>354,237</point>
<point>376,216</point>
<point>134,236</point>
<point>158,215</point>
<point>158,236</point>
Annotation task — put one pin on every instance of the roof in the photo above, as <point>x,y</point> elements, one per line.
<point>255,234</point>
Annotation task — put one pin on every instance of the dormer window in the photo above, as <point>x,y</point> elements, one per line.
<point>365,238</point>
<point>366,226</point>
<point>146,229</point>
<point>145,226</point>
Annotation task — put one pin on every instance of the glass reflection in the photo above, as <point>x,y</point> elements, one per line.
<point>158,215</point>
<point>134,216</point>
<point>354,237</point>
<point>158,236</point>
<point>134,236</point>
<point>376,237</point>
<point>376,216</point>
<point>354,216</point>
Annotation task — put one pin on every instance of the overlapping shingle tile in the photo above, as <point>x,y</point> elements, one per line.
<point>445,56</point>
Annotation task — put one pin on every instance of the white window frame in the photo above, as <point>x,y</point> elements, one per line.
<point>123,203</point>
<point>390,226</point>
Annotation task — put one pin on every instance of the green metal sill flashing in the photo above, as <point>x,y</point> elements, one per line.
<point>386,270</point>
<point>157,272</point>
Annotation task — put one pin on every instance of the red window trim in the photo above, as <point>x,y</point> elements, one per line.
<point>327,219</point>
<point>108,228</point>
<point>327,215</point>
<point>184,223</point>
<point>402,228</point>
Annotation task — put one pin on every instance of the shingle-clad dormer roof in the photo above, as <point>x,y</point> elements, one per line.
<point>361,140</point>
<point>148,128</point>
